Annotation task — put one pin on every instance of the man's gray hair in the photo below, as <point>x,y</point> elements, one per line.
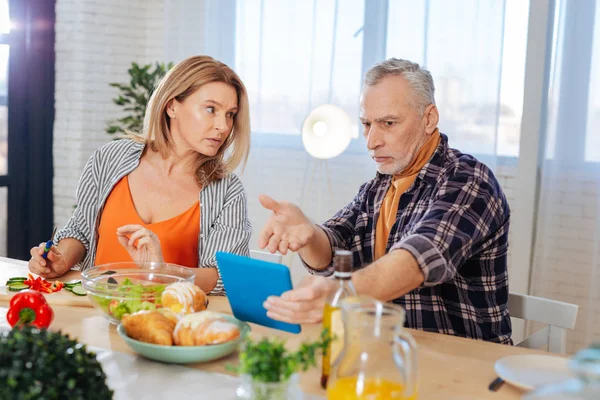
<point>417,77</point>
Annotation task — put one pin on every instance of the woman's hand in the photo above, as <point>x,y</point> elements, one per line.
<point>52,267</point>
<point>141,243</point>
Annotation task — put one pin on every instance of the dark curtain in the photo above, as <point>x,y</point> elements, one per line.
<point>30,124</point>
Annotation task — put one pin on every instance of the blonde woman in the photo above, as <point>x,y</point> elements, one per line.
<point>169,194</point>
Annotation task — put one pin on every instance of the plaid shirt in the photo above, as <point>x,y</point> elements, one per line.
<point>454,220</point>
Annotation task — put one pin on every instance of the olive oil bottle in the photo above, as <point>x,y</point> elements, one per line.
<point>332,315</point>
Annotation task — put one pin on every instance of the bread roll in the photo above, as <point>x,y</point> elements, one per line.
<point>204,328</point>
<point>184,298</point>
<point>150,327</point>
<point>170,315</point>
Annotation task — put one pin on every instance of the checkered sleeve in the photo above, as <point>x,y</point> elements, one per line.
<point>339,230</point>
<point>460,219</point>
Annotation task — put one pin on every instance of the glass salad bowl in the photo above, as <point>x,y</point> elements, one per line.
<point>123,288</point>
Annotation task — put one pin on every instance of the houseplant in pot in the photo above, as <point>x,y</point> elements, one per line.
<point>134,95</point>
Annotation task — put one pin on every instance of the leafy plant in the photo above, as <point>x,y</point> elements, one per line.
<point>133,97</point>
<point>267,366</point>
<point>268,360</point>
<point>40,364</point>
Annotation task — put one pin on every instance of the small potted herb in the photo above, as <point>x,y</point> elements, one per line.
<point>269,371</point>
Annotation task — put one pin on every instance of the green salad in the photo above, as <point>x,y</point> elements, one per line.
<point>139,297</point>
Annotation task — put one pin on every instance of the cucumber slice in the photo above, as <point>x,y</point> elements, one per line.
<point>77,290</point>
<point>72,284</point>
<point>16,284</point>
<point>11,280</point>
<point>17,287</point>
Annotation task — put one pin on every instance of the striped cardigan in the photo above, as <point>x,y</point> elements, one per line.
<point>224,224</point>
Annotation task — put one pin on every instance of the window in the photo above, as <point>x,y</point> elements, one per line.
<point>512,82</point>
<point>4,19</point>
<point>592,145</point>
<point>476,54</point>
<point>295,55</point>
<point>573,101</point>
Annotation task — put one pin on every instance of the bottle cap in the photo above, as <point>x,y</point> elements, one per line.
<point>342,261</point>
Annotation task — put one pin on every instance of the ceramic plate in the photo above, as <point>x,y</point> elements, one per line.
<point>530,371</point>
<point>187,354</point>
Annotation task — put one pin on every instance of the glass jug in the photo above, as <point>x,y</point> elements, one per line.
<point>379,358</point>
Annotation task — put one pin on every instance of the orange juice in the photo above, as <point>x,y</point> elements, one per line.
<point>332,320</point>
<point>373,389</point>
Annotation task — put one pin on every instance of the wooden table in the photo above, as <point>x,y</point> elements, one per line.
<point>449,367</point>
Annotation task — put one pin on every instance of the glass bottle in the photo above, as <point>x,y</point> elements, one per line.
<point>332,315</point>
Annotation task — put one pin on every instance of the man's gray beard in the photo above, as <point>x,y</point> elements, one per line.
<point>397,169</point>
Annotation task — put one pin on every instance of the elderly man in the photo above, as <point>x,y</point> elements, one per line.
<point>429,231</point>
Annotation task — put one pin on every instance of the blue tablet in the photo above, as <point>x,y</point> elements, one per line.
<point>248,282</point>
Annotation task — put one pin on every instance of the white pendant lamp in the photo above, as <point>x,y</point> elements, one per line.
<point>326,132</point>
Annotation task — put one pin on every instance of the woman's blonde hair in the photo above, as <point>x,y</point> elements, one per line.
<point>180,82</point>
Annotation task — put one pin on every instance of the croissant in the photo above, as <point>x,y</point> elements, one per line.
<point>170,315</point>
<point>204,328</point>
<point>184,298</point>
<point>150,327</point>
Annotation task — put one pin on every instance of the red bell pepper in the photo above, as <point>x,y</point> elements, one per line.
<point>29,307</point>
<point>42,285</point>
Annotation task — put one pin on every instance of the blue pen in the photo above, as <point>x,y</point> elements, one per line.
<point>48,246</point>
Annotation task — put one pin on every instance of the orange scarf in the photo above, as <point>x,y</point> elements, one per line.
<point>400,184</point>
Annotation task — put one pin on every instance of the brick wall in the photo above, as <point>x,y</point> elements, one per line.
<point>567,265</point>
<point>96,41</point>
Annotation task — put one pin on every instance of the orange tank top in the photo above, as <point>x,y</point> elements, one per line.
<point>178,235</point>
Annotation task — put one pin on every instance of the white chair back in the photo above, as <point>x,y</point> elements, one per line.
<point>265,256</point>
<point>559,317</point>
